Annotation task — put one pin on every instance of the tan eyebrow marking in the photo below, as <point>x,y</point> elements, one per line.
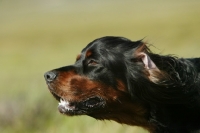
<point>88,53</point>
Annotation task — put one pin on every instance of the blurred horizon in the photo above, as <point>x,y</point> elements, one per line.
<point>37,36</point>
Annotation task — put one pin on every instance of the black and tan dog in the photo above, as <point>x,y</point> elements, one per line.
<point>118,79</point>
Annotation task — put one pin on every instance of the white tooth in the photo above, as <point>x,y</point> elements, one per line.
<point>65,104</point>
<point>62,102</point>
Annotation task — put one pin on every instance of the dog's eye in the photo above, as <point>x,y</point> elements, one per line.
<point>92,62</point>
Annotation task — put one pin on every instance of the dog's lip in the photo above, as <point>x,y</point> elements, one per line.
<point>93,101</point>
<point>81,107</point>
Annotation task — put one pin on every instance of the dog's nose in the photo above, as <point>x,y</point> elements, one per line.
<point>50,76</point>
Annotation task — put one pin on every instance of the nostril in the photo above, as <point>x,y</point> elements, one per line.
<point>50,76</point>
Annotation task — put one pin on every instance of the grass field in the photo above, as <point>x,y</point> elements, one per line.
<point>37,36</point>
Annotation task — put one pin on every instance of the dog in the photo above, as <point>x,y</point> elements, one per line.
<point>117,79</point>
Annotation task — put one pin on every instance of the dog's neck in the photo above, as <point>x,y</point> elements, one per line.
<point>127,112</point>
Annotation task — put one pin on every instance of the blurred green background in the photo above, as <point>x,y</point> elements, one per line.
<point>37,36</point>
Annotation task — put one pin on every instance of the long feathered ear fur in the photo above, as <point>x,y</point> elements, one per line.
<point>142,54</point>
<point>155,78</point>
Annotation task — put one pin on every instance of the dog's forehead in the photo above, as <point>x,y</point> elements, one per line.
<point>106,42</point>
<point>91,49</point>
<point>107,45</point>
<point>87,52</point>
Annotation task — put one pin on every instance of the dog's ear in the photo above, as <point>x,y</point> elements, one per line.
<point>148,63</point>
<point>153,73</point>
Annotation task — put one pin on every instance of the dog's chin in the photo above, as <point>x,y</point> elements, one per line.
<point>84,107</point>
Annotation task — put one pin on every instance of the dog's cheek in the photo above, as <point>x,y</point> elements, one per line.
<point>121,86</point>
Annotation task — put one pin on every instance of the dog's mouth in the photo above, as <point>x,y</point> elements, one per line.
<point>83,107</point>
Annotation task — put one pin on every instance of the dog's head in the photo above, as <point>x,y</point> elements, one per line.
<point>100,83</point>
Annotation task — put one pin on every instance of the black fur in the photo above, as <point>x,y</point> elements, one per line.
<point>169,90</point>
<point>174,101</point>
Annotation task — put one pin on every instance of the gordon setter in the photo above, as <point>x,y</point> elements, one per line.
<point>117,79</point>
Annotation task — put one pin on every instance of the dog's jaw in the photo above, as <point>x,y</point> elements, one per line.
<point>83,107</point>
